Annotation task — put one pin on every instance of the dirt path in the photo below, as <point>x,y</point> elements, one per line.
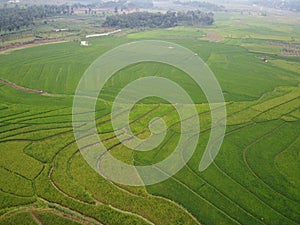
<point>12,47</point>
<point>41,92</point>
<point>10,84</point>
<point>36,218</point>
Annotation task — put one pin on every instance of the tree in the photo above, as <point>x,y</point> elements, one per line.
<point>169,19</point>
<point>15,18</point>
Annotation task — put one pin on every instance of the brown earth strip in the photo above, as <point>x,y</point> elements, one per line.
<point>11,47</point>
<point>36,218</point>
<point>213,37</point>
<point>10,84</point>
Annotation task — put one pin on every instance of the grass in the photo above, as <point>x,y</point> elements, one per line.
<point>263,48</point>
<point>287,65</point>
<point>10,183</point>
<point>51,218</point>
<point>170,33</point>
<point>258,161</point>
<point>51,74</point>
<point>14,159</point>
<point>294,94</point>
<point>290,154</point>
<point>154,209</point>
<point>20,218</point>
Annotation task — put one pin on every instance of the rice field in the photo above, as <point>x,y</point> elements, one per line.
<point>254,179</point>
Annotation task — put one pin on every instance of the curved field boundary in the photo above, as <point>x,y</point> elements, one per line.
<point>185,186</point>
<point>12,115</point>
<point>127,191</point>
<point>52,168</point>
<point>55,209</point>
<point>246,189</point>
<point>284,150</point>
<point>16,115</point>
<point>75,199</point>
<point>219,191</point>
<point>132,214</point>
<point>202,198</point>
<point>238,183</point>
<point>251,170</point>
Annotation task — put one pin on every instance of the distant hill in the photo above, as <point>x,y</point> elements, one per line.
<point>292,5</point>
<point>48,2</point>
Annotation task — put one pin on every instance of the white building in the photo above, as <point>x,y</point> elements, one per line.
<point>14,1</point>
<point>84,43</point>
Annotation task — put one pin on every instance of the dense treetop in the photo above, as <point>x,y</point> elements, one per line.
<point>169,19</point>
<point>14,18</point>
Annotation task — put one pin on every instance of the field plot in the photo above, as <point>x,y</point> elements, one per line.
<point>255,178</point>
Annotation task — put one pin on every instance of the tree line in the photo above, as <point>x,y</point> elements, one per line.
<point>203,5</point>
<point>120,4</point>
<point>157,20</point>
<point>15,18</point>
<point>292,5</point>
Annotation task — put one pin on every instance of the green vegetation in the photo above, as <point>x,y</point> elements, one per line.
<point>12,19</point>
<point>255,178</point>
<point>169,19</point>
<point>21,218</point>
<point>51,218</point>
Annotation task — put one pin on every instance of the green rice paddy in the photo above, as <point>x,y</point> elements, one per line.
<point>255,178</point>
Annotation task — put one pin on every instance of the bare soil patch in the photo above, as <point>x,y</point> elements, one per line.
<point>289,49</point>
<point>213,37</point>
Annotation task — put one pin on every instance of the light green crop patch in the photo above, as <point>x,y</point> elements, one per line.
<point>295,93</point>
<point>13,158</point>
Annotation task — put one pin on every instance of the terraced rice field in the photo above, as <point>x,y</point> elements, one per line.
<point>254,179</point>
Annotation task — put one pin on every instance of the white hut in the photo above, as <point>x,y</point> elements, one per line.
<point>84,43</point>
